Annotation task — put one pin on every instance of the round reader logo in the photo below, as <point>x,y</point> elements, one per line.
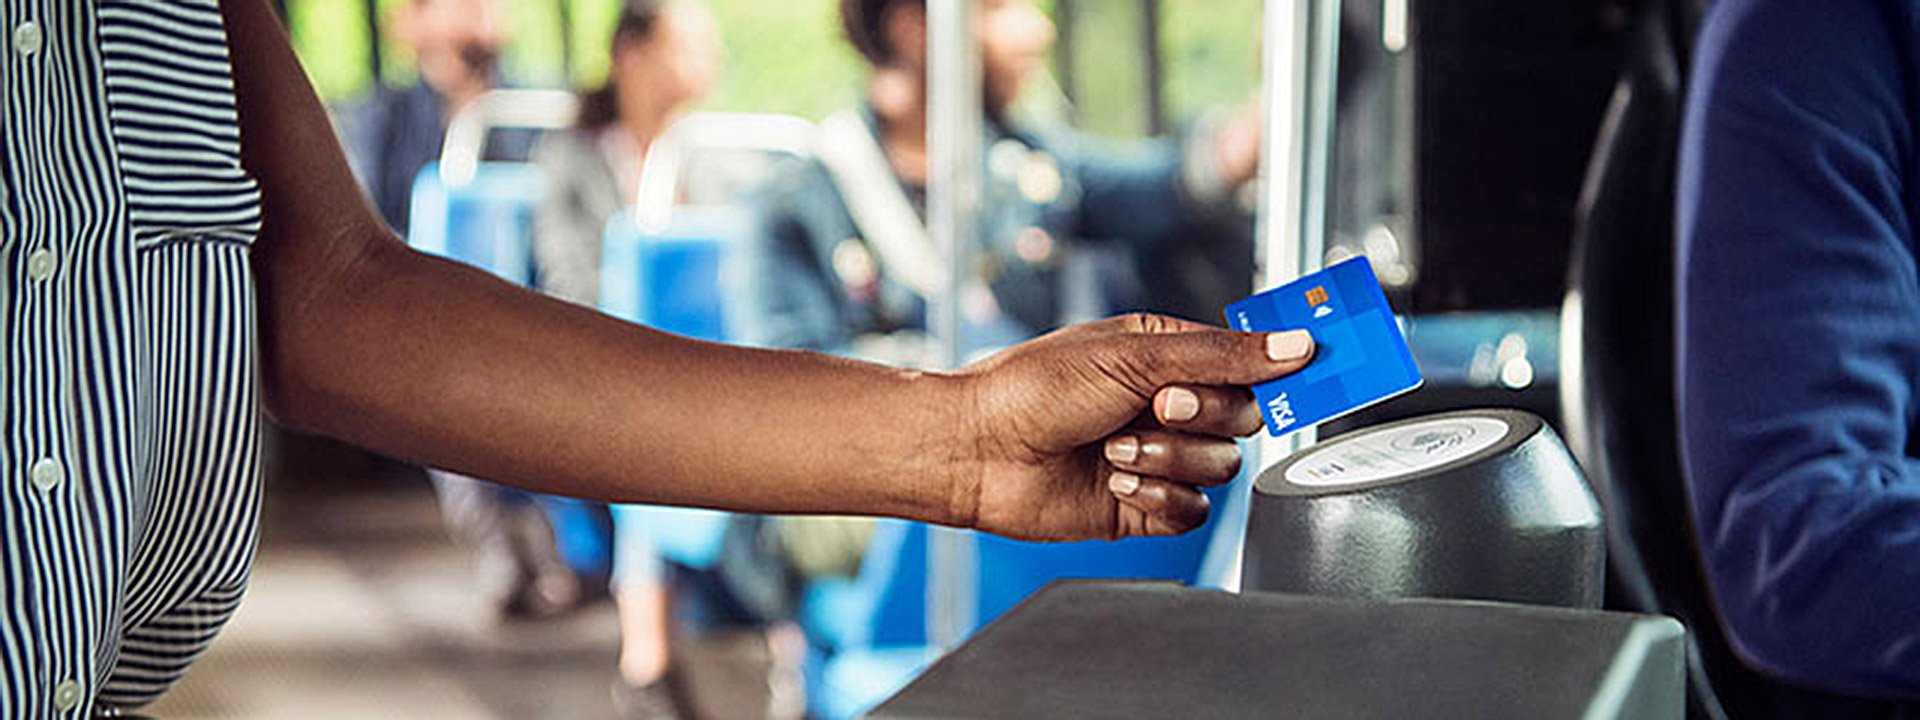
<point>1386,454</point>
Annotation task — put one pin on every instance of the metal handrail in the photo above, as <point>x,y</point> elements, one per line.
<point>467,131</point>
<point>658,189</point>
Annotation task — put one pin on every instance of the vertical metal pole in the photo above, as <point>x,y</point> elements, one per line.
<point>1063,57</point>
<point>1302,48</point>
<point>954,135</point>
<point>375,62</point>
<point>565,10</point>
<point>1300,74</point>
<point>1154,75</point>
<point>1322,87</point>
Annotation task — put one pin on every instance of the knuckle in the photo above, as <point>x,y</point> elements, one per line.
<point>1251,419</point>
<point>1232,469</point>
<point>1185,516</point>
<point>1145,354</point>
<point>1141,322</point>
<point>1194,460</point>
<point>1246,424</point>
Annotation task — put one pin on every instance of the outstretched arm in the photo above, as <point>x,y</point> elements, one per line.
<point>370,342</point>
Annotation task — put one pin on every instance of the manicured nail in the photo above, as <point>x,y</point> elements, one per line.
<point>1124,484</point>
<point>1180,405</point>
<point>1123,449</point>
<point>1289,346</point>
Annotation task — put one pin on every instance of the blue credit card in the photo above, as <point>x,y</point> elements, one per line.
<point>1360,357</point>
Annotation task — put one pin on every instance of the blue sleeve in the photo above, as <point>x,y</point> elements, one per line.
<point>364,129</point>
<point>360,136</point>
<point>1129,193</point>
<point>1799,336</point>
<point>787,297</point>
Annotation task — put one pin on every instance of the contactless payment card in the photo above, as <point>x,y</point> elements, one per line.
<point>1360,357</point>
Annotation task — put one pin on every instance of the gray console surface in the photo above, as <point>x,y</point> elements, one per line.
<point>1158,650</point>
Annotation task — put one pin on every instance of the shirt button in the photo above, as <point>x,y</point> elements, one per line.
<point>46,474</point>
<point>40,264</point>
<point>27,38</point>
<point>66,696</point>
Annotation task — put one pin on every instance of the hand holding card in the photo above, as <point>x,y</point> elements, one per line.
<point>1362,357</point>
<point>1109,429</point>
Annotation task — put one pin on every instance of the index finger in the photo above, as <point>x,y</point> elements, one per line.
<point>1137,324</point>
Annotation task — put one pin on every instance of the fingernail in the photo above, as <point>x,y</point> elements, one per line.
<point>1123,449</point>
<point>1289,346</point>
<point>1124,484</point>
<point>1181,405</point>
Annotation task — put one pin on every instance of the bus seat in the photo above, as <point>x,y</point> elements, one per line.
<point>1011,570</point>
<point>883,606</point>
<point>671,278</point>
<point>871,629</point>
<point>486,221</point>
<point>480,212</point>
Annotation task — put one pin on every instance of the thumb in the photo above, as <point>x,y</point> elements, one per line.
<point>1207,356</point>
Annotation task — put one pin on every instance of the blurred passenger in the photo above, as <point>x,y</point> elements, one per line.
<point>666,55</point>
<point>389,137</point>
<point>394,132</point>
<point>842,261</point>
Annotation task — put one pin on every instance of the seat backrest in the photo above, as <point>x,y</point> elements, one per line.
<point>1618,328</point>
<point>485,220</point>
<point>481,213</point>
<point>895,573</point>
<point>672,279</point>
<point>1011,570</point>
<point>887,602</point>
<point>1618,353</point>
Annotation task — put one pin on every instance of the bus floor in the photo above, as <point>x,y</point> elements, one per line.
<point>361,607</point>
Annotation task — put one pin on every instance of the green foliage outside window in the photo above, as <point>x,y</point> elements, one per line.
<point>787,56</point>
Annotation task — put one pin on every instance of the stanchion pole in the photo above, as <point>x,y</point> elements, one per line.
<point>954,132</point>
<point>1300,76</point>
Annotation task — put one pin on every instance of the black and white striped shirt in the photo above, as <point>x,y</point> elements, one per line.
<point>131,444</point>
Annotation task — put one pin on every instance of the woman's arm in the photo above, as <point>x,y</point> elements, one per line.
<point>368,341</point>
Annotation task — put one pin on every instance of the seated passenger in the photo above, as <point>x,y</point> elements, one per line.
<point>1799,331</point>
<point>842,260</point>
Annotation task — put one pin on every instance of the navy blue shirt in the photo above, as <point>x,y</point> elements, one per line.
<point>393,133</point>
<point>1799,329</point>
